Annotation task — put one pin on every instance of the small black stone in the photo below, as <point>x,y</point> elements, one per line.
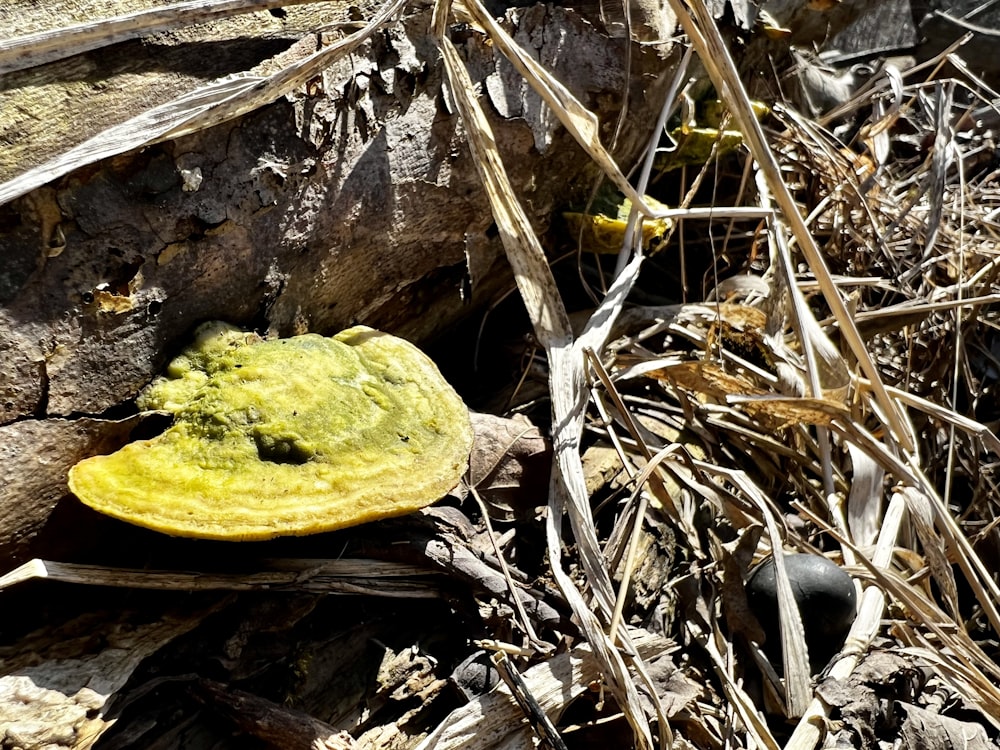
<point>826,598</point>
<point>475,676</point>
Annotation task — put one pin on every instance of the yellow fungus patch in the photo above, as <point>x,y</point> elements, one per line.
<point>602,228</point>
<point>286,437</point>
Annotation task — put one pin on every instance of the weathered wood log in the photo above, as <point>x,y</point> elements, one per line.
<point>353,199</point>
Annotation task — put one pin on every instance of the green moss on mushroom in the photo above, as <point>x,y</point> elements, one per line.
<point>286,437</point>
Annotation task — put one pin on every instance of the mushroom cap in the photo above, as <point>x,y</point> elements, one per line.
<point>286,437</point>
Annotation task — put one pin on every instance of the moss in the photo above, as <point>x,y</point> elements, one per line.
<point>286,437</point>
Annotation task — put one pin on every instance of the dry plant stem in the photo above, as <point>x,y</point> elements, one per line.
<point>716,212</point>
<point>924,309</point>
<point>494,720</point>
<point>614,545</point>
<point>810,729</point>
<point>631,240</point>
<point>954,644</point>
<point>990,440</point>
<point>980,579</point>
<point>612,435</point>
<point>793,641</point>
<point>579,122</point>
<point>640,514</point>
<point>960,660</point>
<point>538,719</point>
<point>970,684</point>
<point>961,66</point>
<point>567,387</point>
<point>210,105</point>
<point>371,577</point>
<point>46,46</point>
<point>956,372</point>
<point>708,635</point>
<point>812,338</point>
<point>656,482</point>
<point>705,36</point>
<point>518,605</point>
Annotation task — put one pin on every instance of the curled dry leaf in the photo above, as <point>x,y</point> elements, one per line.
<point>509,465</point>
<point>776,412</point>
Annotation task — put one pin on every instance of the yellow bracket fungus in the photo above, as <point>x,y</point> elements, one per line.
<point>286,437</point>
<point>602,227</point>
<point>701,135</point>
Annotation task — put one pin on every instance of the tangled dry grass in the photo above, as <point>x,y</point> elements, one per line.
<point>834,395</point>
<point>832,390</point>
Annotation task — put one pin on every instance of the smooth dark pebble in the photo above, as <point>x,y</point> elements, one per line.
<point>826,598</point>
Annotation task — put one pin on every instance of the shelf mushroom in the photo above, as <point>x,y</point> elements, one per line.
<point>285,437</point>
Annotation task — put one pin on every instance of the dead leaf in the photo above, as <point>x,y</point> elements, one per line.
<point>774,411</point>
<point>707,379</point>
<point>926,730</point>
<point>509,465</point>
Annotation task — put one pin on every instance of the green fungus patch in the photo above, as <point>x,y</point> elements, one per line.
<point>286,437</point>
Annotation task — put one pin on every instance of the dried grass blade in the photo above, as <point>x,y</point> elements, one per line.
<point>809,731</point>
<point>494,720</point>
<point>702,628</point>
<point>967,682</point>
<point>986,589</point>
<point>864,502</point>
<point>207,106</point>
<point>922,516</point>
<point>793,641</point>
<point>47,46</point>
<point>954,641</point>
<point>577,119</point>
<point>955,647</point>
<point>552,327</point>
<point>949,416</point>
<point>980,579</point>
<point>827,369</point>
<point>942,156</point>
<point>525,621</point>
<point>712,50</point>
<point>524,252</point>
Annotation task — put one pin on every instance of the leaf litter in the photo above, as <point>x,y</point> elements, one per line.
<point>836,395</point>
<point>723,397</point>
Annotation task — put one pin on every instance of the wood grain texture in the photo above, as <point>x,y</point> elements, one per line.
<point>49,108</point>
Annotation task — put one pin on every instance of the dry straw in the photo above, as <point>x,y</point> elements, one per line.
<point>842,428</point>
